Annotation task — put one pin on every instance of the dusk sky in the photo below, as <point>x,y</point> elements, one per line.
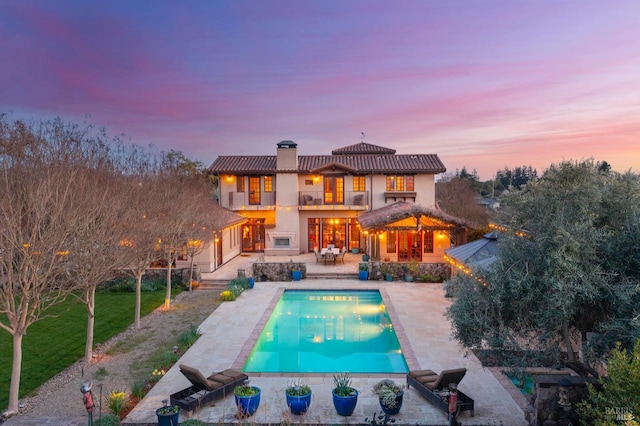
<point>483,84</point>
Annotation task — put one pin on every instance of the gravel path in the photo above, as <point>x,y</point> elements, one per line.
<point>118,363</point>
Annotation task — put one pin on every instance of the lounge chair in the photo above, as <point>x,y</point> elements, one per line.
<point>203,390</point>
<point>434,387</point>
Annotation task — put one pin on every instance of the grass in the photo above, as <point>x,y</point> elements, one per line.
<point>55,343</point>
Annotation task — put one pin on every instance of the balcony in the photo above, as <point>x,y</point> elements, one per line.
<point>237,201</point>
<point>307,200</point>
<point>314,200</point>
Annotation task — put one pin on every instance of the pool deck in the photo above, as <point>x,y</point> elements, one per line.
<point>417,312</point>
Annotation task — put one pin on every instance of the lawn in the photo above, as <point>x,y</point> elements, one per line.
<point>53,344</point>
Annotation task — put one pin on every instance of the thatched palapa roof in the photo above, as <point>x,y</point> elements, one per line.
<point>404,215</point>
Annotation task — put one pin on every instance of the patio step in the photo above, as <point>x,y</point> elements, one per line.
<point>331,276</point>
<point>213,284</point>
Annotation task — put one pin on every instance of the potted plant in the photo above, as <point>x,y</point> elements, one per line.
<point>345,397</point>
<point>247,399</point>
<point>413,270</point>
<point>168,415</point>
<point>298,397</point>
<point>386,271</point>
<point>296,273</point>
<point>363,271</point>
<point>365,257</point>
<point>390,395</point>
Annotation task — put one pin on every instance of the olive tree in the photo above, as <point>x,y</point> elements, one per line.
<point>554,280</point>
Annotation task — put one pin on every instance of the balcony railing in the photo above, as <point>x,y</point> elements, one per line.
<point>307,200</point>
<point>242,201</point>
<point>353,200</point>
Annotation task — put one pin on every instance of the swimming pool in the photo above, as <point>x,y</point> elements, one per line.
<point>325,331</point>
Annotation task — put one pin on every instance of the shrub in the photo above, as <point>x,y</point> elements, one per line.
<point>245,390</point>
<point>298,388</point>
<point>117,402</point>
<point>156,375</point>
<point>137,389</point>
<point>387,390</point>
<point>193,422</point>
<point>342,383</point>
<point>619,394</point>
<point>242,282</point>
<point>168,358</point>
<point>189,337</point>
<point>107,420</point>
<point>227,296</point>
<point>101,373</point>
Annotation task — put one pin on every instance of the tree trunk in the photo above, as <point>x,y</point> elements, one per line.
<point>167,297</point>
<point>191,275</point>
<point>90,302</point>
<point>567,342</point>
<point>16,368</point>
<point>136,323</point>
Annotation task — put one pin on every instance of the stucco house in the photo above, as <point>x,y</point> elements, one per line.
<point>362,197</point>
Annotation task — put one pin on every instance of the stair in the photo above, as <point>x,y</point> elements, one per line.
<point>331,276</point>
<point>217,285</point>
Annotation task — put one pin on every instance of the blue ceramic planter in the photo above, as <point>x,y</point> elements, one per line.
<point>396,409</point>
<point>167,419</point>
<point>345,405</point>
<point>248,405</point>
<point>296,275</point>
<point>298,404</point>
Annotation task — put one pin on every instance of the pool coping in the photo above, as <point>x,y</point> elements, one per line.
<point>403,340</point>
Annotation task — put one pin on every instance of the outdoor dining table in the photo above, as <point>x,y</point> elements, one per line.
<point>329,254</point>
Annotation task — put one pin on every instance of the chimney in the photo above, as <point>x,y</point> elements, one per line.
<point>287,158</point>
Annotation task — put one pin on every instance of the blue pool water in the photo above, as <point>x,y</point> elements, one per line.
<point>320,331</point>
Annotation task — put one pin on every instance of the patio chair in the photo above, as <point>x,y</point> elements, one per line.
<point>318,255</point>
<point>340,256</point>
<point>203,390</point>
<point>329,257</point>
<point>434,387</point>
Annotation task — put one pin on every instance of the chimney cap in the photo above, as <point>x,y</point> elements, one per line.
<point>287,144</point>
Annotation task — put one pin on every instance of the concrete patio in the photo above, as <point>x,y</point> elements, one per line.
<point>417,312</point>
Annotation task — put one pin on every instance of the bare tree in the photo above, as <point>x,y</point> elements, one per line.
<point>96,241</point>
<point>457,198</point>
<point>38,215</point>
<point>140,230</point>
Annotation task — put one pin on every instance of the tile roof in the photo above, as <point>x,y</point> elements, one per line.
<point>352,159</point>
<point>363,148</point>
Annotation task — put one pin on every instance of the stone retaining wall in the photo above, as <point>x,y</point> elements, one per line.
<point>545,408</point>
<point>431,272</point>
<point>277,271</point>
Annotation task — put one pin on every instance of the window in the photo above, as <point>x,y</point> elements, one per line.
<point>400,183</point>
<point>334,190</point>
<point>240,184</point>
<point>428,241</point>
<point>391,241</point>
<point>254,190</point>
<point>409,183</point>
<point>268,184</point>
<point>358,183</point>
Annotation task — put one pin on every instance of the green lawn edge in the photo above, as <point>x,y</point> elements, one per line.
<point>53,344</point>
